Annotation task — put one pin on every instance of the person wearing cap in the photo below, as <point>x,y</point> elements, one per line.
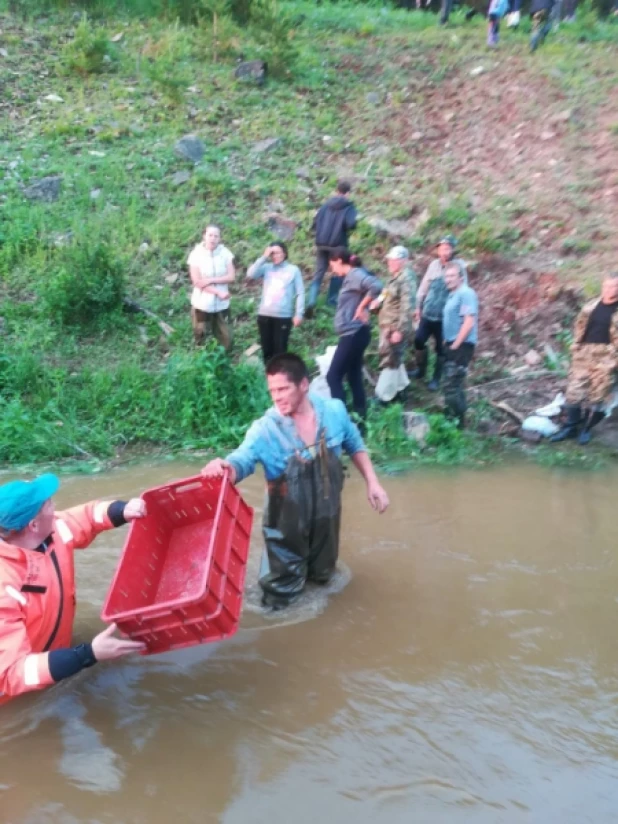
<point>395,305</point>
<point>430,300</point>
<point>37,585</point>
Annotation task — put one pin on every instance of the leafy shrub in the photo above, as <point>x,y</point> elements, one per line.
<point>90,51</point>
<point>273,30</point>
<point>86,285</point>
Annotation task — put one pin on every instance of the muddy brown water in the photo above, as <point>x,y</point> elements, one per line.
<point>463,667</point>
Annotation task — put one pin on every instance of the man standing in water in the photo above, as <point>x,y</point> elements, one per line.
<point>299,442</point>
<point>37,585</point>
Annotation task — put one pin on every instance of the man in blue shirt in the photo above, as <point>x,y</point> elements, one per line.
<point>299,442</point>
<point>460,330</point>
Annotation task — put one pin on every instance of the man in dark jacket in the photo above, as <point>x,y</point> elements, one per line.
<point>333,220</point>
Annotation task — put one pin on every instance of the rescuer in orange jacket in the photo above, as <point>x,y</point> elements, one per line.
<point>37,584</point>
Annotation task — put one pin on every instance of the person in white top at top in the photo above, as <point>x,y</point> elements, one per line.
<point>211,267</point>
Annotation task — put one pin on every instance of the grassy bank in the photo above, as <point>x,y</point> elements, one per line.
<point>356,91</point>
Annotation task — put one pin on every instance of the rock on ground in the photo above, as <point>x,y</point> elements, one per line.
<point>256,70</point>
<point>282,227</point>
<point>190,148</point>
<point>46,189</point>
<point>267,144</point>
<point>416,426</point>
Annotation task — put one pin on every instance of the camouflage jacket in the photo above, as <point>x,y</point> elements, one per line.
<point>398,302</point>
<point>581,324</point>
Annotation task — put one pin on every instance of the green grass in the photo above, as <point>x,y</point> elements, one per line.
<point>78,376</point>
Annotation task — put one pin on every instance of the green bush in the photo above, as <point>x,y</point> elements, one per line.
<point>90,51</point>
<point>273,30</point>
<point>86,285</point>
<point>195,400</point>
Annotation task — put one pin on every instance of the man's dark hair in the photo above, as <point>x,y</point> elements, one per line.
<point>343,187</point>
<point>290,365</point>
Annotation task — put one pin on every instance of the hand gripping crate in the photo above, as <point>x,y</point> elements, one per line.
<point>180,578</point>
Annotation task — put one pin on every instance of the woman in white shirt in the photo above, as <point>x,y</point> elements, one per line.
<point>211,267</point>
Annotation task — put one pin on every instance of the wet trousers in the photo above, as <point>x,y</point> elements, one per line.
<point>302,519</point>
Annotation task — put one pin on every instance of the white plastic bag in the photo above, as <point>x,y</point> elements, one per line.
<point>540,424</point>
<point>390,383</point>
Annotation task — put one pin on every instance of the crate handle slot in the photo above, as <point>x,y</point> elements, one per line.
<point>188,487</point>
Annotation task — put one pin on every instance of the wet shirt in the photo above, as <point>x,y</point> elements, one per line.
<point>597,330</point>
<point>273,440</point>
<point>432,292</point>
<point>283,294</point>
<point>463,301</point>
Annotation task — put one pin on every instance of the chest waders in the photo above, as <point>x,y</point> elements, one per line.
<point>302,517</point>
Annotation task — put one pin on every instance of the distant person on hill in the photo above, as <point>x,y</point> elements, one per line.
<point>497,10</point>
<point>544,13</point>
<point>594,364</point>
<point>352,324</point>
<point>283,298</point>
<point>299,442</point>
<point>430,299</point>
<point>211,267</point>
<point>460,327</point>
<point>395,306</point>
<point>332,224</point>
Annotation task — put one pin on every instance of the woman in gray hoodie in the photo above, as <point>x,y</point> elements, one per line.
<point>283,298</point>
<point>358,290</point>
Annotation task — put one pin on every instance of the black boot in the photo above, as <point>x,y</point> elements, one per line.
<point>434,383</point>
<point>592,419</point>
<point>572,424</point>
<point>422,356</point>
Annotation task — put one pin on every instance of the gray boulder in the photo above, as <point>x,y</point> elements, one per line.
<point>281,227</point>
<point>252,70</point>
<point>46,189</point>
<point>190,148</point>
<point>267,145</point>
<point>394,229</point>
<point>417,426</point>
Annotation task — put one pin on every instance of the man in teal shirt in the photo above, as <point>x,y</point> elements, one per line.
<point>299,442</point>
<point>460,330</point>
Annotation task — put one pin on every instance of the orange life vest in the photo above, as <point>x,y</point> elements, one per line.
<point>37,598</point>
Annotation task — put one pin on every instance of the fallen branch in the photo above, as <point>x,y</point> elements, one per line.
<point>133,306</point>
<point>524,376</point>
<point>503,406</point>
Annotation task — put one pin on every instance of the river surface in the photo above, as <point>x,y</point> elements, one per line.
<point>462,667</point>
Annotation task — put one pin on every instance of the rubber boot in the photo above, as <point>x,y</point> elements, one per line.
<point>592,419</point>
<point>422,356</point>
<point>571,427</point>
<point>434,383</point>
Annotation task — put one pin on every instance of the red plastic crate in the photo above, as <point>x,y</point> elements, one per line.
<point>180,578</point>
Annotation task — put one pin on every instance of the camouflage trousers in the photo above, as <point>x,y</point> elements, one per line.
<point>391,354</point>
<point>592,373</point>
